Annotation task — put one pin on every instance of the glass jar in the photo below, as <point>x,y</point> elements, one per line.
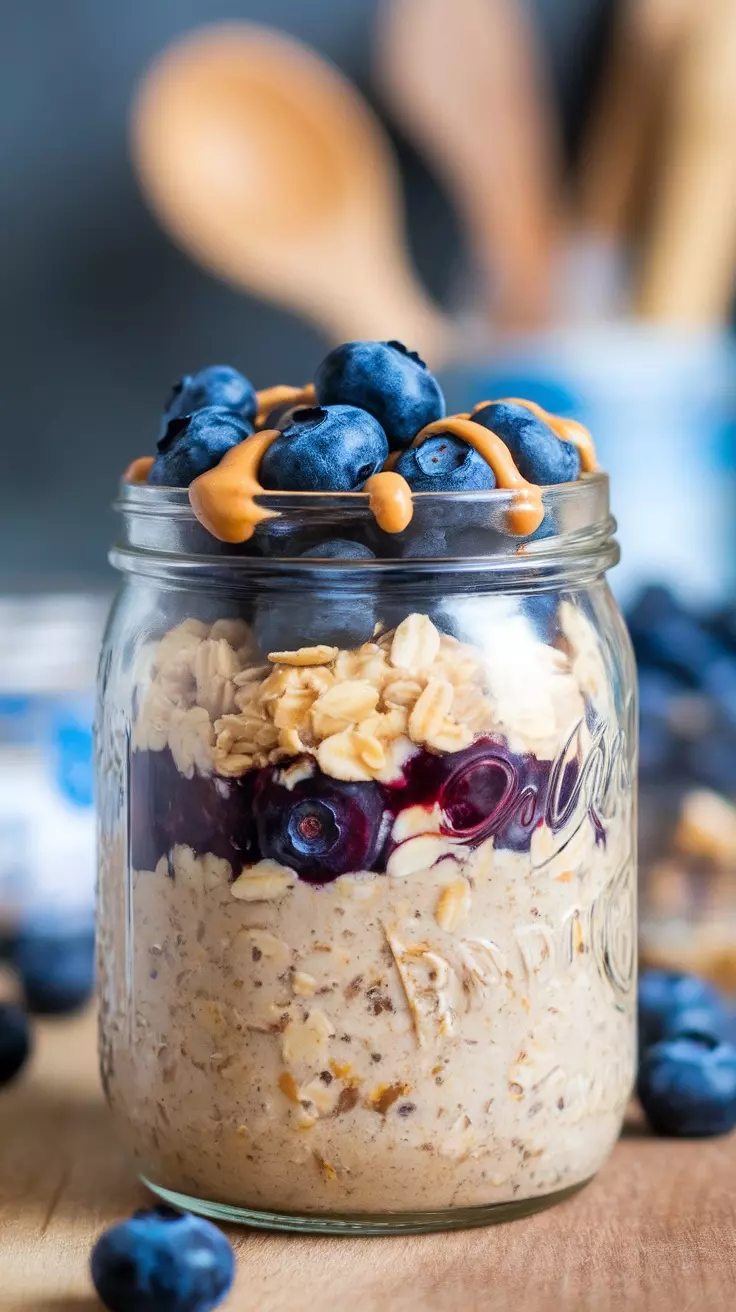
<point>367,859</point>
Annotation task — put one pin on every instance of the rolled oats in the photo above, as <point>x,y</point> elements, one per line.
<point>415,643</point>
<point>430,712</point>
<point>453,905</point>
<point>351,756</point>
<point>320,655</point>
<point>191,740</point>
<point>266,881</point>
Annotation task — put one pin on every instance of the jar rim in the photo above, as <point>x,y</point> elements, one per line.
<point>463,531</point>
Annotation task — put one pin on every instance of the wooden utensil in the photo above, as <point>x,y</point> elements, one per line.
<point>264,163</point>
<point>464,78</point>
<point>646,37</point>
<point>688,275</point>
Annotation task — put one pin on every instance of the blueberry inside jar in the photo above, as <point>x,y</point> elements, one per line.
<point>366,916</point>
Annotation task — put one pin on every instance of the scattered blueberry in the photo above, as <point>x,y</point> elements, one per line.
<point>162,1261</point>
<point>56,967</point>
<point>196,443</point>
<point>671,1002</point>
<point>667,636</point>
<point>540,455</point>
<point>386,379</point>
<point>325,449</point>
<point>218,385</point>
<point>15,1041</point>
<point>445,464</point>
<point>687,1085</point>
<point>321,827</point>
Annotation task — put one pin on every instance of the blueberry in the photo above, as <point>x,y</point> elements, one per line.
<point>56,967</point>
<point>540,455</point>
<point>196,443</point>
<point>339,549</point>
<point>445,464</point>
<point>162,1261</point>
<point>712,760</point>
<point>15,1041</point>
<point>325,449</point>
<point>687,1085</point>
<point>666,636</point>
<point>671,1002</point>
<point>331,616</point>
<point>218,385</point>
<point>321,827</point>
<point>386,379</point>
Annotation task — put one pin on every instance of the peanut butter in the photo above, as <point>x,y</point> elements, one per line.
<point>223,498</point>
<point>139,469</point>
<point>268,397</point>
<point>390,501</point>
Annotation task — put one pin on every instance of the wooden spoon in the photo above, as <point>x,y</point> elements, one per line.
<point>465,79</point>
<point>264,163</point>
<point>689,273</point>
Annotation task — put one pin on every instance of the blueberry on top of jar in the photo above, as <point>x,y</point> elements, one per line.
<point>385,378</point>
<point>195,443</point>
<point>334,448</point>
<point>539,454</point>
<point>217,384</point>
<point>445,464</point>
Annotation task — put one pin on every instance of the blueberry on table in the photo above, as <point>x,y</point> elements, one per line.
<point>321,827</point>
<point>332,448</point>
<point>15,1041</point>
<point>539,454</point>
<point>196,443</point>
<point>671,1002</point>
<point>687,1085</point>
<point>445,464</point>
<point>386,379</point>
<point>162,1261</point>
<point>56,968</point>
<point>219,385</point>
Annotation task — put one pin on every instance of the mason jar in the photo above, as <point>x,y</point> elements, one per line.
<point>367,946</point>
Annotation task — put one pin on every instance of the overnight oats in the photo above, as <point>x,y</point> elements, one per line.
<point>366,748</point>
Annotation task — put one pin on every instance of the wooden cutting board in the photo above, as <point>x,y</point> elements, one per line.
<point>656,1232</point>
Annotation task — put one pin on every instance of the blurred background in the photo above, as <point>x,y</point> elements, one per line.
<point>541,196</point>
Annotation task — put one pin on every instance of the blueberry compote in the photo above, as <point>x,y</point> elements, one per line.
<point>322,827</point>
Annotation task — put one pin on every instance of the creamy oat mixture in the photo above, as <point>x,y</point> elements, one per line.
<point>451,1029</point>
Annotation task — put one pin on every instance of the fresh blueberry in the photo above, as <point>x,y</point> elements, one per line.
<point>712,760</point>
<point>321,828</point>
<point>687,1085</point>
<point>196,443</point>
<point>218,385</point>
<point>15,1041</point>
<point>56,966</point>
<point>339,549</point>
<point>281,415</point>
<point>162,1261</point>
<point>665,635</point>
<point>540,455</point>
<point>541,612</point>
<point>325,449</point>
<point>671,1002</point>
<point>445,464</point>
<point>330,615</point>
<point>386,379</point>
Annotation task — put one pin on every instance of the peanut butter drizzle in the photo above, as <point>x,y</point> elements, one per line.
<point>269,397</point>
<point>139,469</point>
<point>390,500</point>
<point>223,497</point>
<point>568,430</point>
<point>527,511</point>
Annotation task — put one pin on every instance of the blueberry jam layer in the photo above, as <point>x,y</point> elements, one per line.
<point>322,827</point>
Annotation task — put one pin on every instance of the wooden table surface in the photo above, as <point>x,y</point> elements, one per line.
<point>656,1232</point>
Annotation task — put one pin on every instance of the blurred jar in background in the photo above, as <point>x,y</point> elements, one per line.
<point>48,656</point>
<point>687,823</point>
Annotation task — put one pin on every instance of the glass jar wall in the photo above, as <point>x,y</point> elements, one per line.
<point>367,860</point>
